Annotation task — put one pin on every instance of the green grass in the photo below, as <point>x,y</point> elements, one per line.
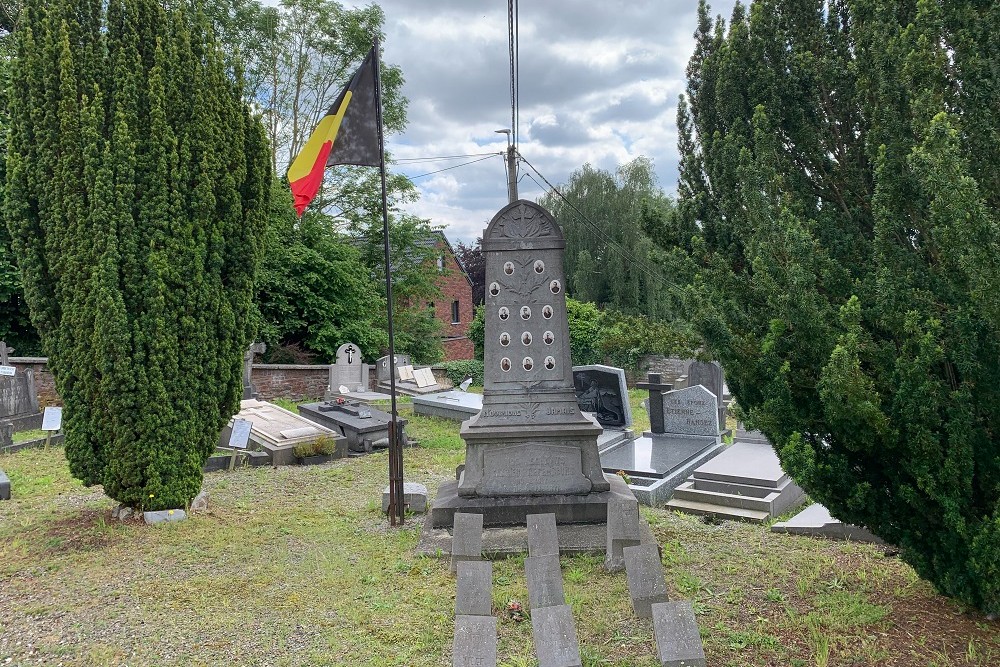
<point>24,436</point>
<point>297,566</point>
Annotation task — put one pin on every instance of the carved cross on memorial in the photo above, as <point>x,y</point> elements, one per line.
<point>530,437</point>
<point>249,391</point>
<point>4,351</point>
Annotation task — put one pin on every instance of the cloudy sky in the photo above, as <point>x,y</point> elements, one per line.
<point>599,82</point>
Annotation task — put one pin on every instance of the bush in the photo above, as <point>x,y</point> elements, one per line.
<point>322,446</point>
<point>459,370</point>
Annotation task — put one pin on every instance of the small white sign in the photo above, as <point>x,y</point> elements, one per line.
<point>7,370</point>
<point>240,436</point>
<point>52,419</point>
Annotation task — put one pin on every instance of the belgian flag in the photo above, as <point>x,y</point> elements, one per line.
<point>348,134</point>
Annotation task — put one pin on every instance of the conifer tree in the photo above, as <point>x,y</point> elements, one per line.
<point>837,226</point>
<point>137,186</point>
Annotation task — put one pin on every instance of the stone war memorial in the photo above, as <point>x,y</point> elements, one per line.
<point>530,449</point>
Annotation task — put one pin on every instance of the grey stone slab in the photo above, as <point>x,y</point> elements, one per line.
<point>275,430</point>
<point>691,411</point>
<point>467,538</point>
<point>678,642</point>
<point>655,456</point>
<point>360,423</point>
<point>475,641</point>
<point>4,486</point>
<point>543,540</point>
<point>644,572</point>
<point>710,376</point>
<point>624,530</point>
<point>414,497</point>
<point>474,593</point>
<point>249,390</point>
<point>19,400</point>
<point>745,463</point>
<point>602,390</point>
<point>656,387</point>
<point>554,634</point>
<point>458,405</point>
<point>164,516</point>
<point>545,584</point>
<point>6,436</point>
<point>816,521</point>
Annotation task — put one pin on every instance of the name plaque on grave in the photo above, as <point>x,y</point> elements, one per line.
<point>691,411</point>
<point>8,371</point>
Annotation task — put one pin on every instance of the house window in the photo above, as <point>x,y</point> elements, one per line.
<point>455,319</point>
<point>440,263</point>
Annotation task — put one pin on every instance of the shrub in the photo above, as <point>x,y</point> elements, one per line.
<point>459,370</point>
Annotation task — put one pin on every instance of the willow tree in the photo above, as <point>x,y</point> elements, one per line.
<point>136,195</point>
<point>837,226</point>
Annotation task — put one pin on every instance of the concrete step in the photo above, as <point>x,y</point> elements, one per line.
<point>707,509</point>
<point>734,488</point>
<point>686,491</point>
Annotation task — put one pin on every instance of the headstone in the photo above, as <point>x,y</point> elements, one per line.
<point>406,373</point>
<point>530,445</point>
<point>656,390</point>
<point>474,595</point>
<point>710,376</point>
<point>555,637</point>
<point>249,391</point>
<point>414,497</point>
<point>383,367</point>
<point>602,390</point>
<point>4,486</point>
<point>678,643</point>
<point>362,425</point>
<point>349,370</point>
<point>467,539</point>
<point>644,572</point>
<point>691,411</point>
<point>475,641</point>
<point>543,539</point>
<point>624,530</point>
<point>18,398</point>
<point>545,585</point>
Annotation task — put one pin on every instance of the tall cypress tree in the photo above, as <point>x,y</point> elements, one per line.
<point>137,189</point>
<point>837,224</point>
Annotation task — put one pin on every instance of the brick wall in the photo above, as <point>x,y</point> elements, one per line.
<point>294,382</point>
<point>45,384</point>
<point>454,286</point>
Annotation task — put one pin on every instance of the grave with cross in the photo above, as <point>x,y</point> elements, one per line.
<point>249,390</point>
<point>530,449</point>
<point>684,433</point>
<point>349,370</point>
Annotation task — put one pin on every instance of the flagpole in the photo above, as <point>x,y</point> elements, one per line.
<point>396,513</point>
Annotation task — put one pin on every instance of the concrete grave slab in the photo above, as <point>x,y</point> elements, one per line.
<point>362,425</point>
<point>277,431</point>
<point>475,641</point>
<point>4,486</point>
<point>624,530</point>
<point>467,538</point>
<point>414,497</point>
<point>644,572</point>
<point>678,642</point>
<point>474,594</point>
<point>555,637</point>
<point>543,540</point>
<point>457,405</point>
<point>545,584</point>
<point>816,521</point>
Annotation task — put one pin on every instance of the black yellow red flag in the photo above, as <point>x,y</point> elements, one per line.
<point>347,134</point>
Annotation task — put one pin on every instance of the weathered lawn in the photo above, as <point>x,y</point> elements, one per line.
<point>296,566</point>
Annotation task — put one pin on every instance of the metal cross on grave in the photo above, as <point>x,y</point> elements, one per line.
<point>656,389</point>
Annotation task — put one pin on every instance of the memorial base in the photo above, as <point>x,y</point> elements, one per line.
<point>514,510</point>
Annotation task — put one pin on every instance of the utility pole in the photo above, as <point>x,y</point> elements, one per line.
<point>511,167</point>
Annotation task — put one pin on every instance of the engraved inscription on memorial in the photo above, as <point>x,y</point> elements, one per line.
<point>692,411</point>
<point>534,466</point>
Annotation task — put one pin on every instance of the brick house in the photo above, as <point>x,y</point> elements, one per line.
<point>455,308</point>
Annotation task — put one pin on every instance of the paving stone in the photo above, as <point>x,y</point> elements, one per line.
<point>414,497</point>
<point>467,538</point>
<point>623,531</point>
<point>474,596</point>
<point>475,641</point>
<point>555,637</point>
<point>644,572</point>
<point>678,643</point>
<point>543,539</point>
<point>545,584</point>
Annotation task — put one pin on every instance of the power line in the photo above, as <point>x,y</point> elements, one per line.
<point>614,245</point>
<point>435,158</point>
<point>455,166</point>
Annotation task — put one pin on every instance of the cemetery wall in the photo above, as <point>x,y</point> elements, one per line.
<point>45,384</point>
<point>292,381</point>
<point>669,368</point>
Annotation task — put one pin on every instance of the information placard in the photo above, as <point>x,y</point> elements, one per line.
<point>52,419</point>
<point>8,370</point>
<point>240,437</point>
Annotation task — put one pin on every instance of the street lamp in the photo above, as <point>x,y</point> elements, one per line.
<point>511,167</point>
